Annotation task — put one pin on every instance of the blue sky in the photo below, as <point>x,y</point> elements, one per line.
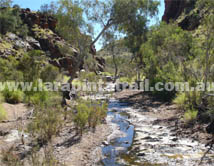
<point>35,5</point>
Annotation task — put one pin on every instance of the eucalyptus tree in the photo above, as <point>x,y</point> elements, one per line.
<point>127,16</point>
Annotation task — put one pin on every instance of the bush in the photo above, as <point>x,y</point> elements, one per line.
<point>11,22</point>
<point>10,158</point>
<point>97,113</point>
<point>81,118</point>
<point>9,71</point>
<point>46,124</point>
<point>1,98</point>
<point>31,65</point>
<point>180,100</point>
<point>49,73</point>
<point>90,76</point>
<point>13,97</point>
<point>190,116</point>
<point>38,98</point>
<point>8,22</point>
<point>89,114</point>
<point>3,113</point>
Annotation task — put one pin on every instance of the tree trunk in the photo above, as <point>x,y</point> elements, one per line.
<point>108,25</point>
<point>115,67</point>
<point>207,61</point>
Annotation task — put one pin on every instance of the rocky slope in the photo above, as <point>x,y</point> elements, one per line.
<point>42,36</point>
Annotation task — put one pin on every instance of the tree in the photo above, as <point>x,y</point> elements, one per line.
<point>110,40</point>
<point>208,46</point>
<point>70,24</point>
<point>125,16</point>
<point>166,55</point>
<point>11,22</point>
<point>69,15</point>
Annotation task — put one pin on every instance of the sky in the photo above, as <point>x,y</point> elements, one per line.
<point>35,5</point>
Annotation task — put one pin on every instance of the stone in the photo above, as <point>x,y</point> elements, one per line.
<point>141,154</point>
<point>33,42</point>
<point>105,143</point>
<point>175,139</point>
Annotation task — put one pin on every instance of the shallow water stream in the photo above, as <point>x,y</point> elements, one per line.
<point>136,141</point>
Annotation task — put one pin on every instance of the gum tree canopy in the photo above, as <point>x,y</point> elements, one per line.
<point>127,16</point>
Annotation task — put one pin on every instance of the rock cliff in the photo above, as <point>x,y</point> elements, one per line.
<point>42,36</point>
<point>184,12</point>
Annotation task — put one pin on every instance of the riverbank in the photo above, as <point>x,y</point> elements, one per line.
<point>67,147</point>
<point>167,114</point>
<point>161,137</point>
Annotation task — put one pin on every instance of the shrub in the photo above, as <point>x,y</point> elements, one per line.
<point>9,157</point>
<point>97,113</point>
<point>8,22</point>
<point>8,70</point>
<point>89,114</point>
<point>31,64</point>
<point>90,76</point>
<point>38,98</point>
<point>190,116</point>
<point>49,73</point>
<point>13,97</point>
<point>180,100</point>
<point>11,22</point>
<point>1,98</point>
<point>3,113</point>
<point>46,124</point>
<point>81,118</point>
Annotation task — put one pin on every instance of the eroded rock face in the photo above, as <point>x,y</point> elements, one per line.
<point>43,37</point>
<point>44,21</point>
<point>173,9</point>
<point>184,12</point>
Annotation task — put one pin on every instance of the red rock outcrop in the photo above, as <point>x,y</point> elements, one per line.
<point>43,20</point>
<point>173,9</point>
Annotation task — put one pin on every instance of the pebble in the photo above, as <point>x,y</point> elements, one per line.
<point>105,143</point>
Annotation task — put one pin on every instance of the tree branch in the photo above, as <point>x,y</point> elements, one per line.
<point>108,25</point>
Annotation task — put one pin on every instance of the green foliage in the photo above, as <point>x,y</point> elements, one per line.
<point>37,98</point>
<point>47,159</point>
<point>31,67</point>
<point>46,124</point>
<point>190,116</point>
<point>106,74</point>
<point>180,100</point>
<point>13,96</point>
<point>81,118</point>
<point>49,73</point>
<point>8,22</point>
<point>3,113</point>
<point>90,76</point>
<point>127,16</point>
<point>31,64</point>
<point>69,16</point>
<point>89,114</point>
<point>8,70</point>
<point>11,22</point>
<point>168,48</point>
<point>1,98</point>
